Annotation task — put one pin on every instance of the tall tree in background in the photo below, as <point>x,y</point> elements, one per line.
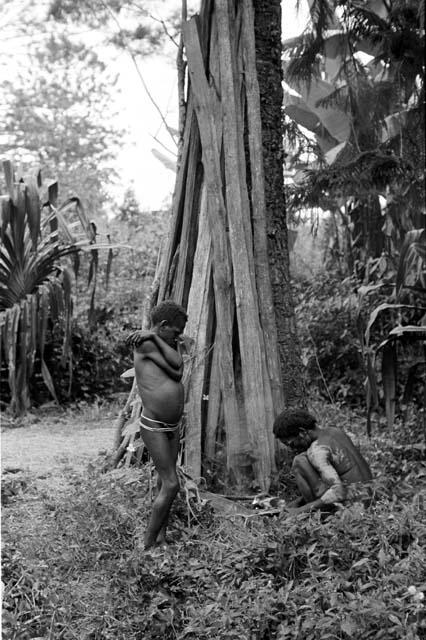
<point>130,24</point>
<point>130,19</point>
<point>270,75</point>
<point>58,117</point>
<point>360,76</point>
<point>215,261</point>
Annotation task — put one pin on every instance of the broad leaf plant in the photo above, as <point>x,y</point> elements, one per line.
<point>35,281</point>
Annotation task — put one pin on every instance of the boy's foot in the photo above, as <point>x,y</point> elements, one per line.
<point>155,550</point>
<point>154,553</point>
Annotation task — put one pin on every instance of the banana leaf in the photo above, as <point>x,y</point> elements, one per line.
<point>336,121</point>
<point>33,210</point>
<point>10,339</point>
<point>67,290</point>
<point>375,313</point>
<point>389,372</point>
<point>23,360</point>
<point>5,213</point>
<point>413,252</point>
<point>166,162</point>
<point>9,176</point>
<point>413,331</point>
<point>109,264</point>
<point>43,317</point>
<point>372,396</point>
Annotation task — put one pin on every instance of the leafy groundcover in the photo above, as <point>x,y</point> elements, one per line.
<point>73,567</point>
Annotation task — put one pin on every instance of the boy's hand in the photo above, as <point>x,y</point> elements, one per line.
<point>136,338</point>
<point>186,343</point>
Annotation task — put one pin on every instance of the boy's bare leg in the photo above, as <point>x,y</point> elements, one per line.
<point>162,455</point>
<point>174,448</point>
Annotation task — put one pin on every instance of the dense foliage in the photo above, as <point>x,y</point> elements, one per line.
<point>35,288</point>
<point>356,130</point>
<point>326,311</point>
<point>359,76</point>
<point>36,294</point>
<point>76,569</point>
<point>358,337</point>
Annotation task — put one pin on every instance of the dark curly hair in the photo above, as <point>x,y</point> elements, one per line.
<point>288,423</point>
<point>168,310</point>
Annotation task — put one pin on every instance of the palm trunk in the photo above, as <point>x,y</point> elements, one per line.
<point>269,71</point>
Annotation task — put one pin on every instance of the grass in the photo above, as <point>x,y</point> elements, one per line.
<point>72,567</point>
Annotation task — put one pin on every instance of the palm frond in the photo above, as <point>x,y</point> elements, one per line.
<point>304,62</point>
<point>370,172</point>
<point>336,99</point>
<point>322,16</point>
<point>364,23</point>
<point>412,257</point>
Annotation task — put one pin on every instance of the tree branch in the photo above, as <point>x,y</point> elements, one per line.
<point>138,71</point>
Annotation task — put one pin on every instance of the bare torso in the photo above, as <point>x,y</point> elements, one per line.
<point>158,376</point>
<point>347,459</point>
<point>331,462</point>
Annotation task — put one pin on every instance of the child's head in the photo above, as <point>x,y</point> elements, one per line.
<point>168,312</point>
<point>169,319</point>
<point>289,424</point>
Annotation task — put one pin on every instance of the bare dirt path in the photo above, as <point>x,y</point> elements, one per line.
<point>51,440</point>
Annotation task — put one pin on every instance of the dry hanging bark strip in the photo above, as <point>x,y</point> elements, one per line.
<point>232,279</point>
<point>249,330</point>
<point>213,408</point>
<point>178,204</point>
<point>188,234</point>
<point>197,327</point>
<point>217,222</point>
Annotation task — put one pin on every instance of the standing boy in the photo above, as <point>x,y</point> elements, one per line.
<point>158,369</point>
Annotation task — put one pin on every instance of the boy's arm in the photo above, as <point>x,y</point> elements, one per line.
<point>136,338</point>
<point>311,506</point>
<point>319,455</point>
<point>172,357</point>
<point>148,351</point>
<point>320,458</point>
<point>139,337</point>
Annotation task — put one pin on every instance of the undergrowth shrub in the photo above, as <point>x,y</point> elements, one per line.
<point>331,350</point>
<point>98,360</point>
<point>75,569</point>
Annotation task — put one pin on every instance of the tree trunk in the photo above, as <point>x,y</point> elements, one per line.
<point>217,258</point>
<point>269,68</point>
